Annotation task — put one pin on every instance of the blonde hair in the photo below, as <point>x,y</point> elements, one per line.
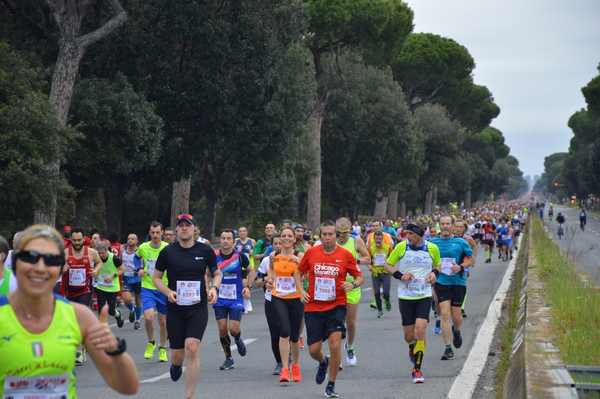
<point>40,231</point>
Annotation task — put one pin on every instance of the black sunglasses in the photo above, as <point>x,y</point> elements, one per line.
<point>33,257</point>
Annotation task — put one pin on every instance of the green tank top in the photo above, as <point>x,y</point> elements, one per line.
<point>39,365</point>
<point>108,269</point>
<point>350,245</point>
<point>5,286</point>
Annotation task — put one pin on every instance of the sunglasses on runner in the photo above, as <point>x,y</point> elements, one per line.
<point>33,257</point>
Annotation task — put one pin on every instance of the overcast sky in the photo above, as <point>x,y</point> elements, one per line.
<point>534,56</point>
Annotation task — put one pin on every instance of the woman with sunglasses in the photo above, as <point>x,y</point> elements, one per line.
<point>41,331</point>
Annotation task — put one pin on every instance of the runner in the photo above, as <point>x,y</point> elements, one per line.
<point>302,245</point>
<point>356,246</point>
<point>271,316</point>
<point>460,230</point>
<point>8,282</point>
<point>379,252</point>
<point>152,299</point>
<point>132,284</point>
<point>230,306</point>
<point>489,237</point>
<point>187,263</point>
<point>244,245</point>
<point>326,267</point>
<point>170,236</point>
<point>262,245</point>
<point>38,360</point>
<point>418,262</point>
<point>77,276</point>
<point>107,281</point>
<point>451,285</point>
<point>285,281</point>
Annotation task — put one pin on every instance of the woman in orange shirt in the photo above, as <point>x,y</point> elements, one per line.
<point>286,283</point>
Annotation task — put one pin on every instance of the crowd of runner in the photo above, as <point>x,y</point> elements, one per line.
<point>52,286</point>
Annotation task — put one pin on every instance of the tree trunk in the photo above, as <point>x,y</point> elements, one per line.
<point>313,211</point>
<point>428,202</point>
<point>180,199</point>
<point>403,209</point>
<point>468,199</point>
<point>68,15</point>
<point>381,202</point>
<point>211,207</point>
<point>434,196</point>
<point>114,194</point>
<point>392,211</point>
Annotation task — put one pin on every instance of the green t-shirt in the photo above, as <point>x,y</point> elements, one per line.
<point>149,255</point>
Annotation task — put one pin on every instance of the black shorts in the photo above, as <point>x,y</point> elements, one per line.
<point>413,309</point>
<point>319,325</point>
<point>453,293</point>
<point>489,243</point>
<point>477,236</point>
<point>185,322</point>
<point>85,299</point>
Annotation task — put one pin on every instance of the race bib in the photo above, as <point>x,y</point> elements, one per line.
<point>285,285</point>
<point>268,295</point>
<point>49,387</point>
<point>103,280</point>
<point>77,277</point>
<point>228,291</point>
<point>151,266</point>
<point>379,260</point>
<point>324,289</point>
<point>505,237</point>
<point>447,266</point>
<point>129,273</point>
<point>188,293</point>
<point>417,287</point>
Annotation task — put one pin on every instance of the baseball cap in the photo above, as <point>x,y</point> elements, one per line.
<point>185,217</point>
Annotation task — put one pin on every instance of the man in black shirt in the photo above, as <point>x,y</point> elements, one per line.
<point>187,264</point>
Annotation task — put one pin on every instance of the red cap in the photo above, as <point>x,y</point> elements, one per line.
<point>185,217</point>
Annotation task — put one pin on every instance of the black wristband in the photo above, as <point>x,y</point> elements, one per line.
<point>436,272</point>
<point>121,348</point>
<point>397,275</point>
<point>462,268</point>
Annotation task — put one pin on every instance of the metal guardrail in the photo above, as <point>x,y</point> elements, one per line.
<point>587,389</point>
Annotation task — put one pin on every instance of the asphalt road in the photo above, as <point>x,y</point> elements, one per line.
<point>383,369</point>
<point>583,247</point>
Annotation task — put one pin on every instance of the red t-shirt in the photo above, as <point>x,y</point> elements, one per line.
<point>327,273</point>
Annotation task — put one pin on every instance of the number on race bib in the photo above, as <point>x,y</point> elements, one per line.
<point>417,287</point>
<point>228,291</point>
<point>325,289</point>
<point>77,277</point>
<point>285,285</point>
<point>188,293</point>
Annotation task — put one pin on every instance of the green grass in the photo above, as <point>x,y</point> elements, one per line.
<point>507,333</point>
<point>575,305</point>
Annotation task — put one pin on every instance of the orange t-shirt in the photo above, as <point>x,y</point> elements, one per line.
<point>284,286</point>
<point>326,276</point>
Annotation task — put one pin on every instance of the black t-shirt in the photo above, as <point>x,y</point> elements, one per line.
<point>187,264</point>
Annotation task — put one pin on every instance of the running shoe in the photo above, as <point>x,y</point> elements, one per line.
<point>330,391</point>
<point>448,354</point>
<point>457,340</point>
<point>284,376</point>
<point>131,316</point>
<point>241,347</point>
<point>149,353</point>
<point>388,305</point>
<point>322,371</point>
<point>464,314</point>
<point>277,369</point>
<point>417,376</point>
<point>373,304</point>
<point>437,329</point>
<point>80,358</point>
<point>119,317</point>
<point>351,359</point>
<point>136,325</point>
<point>163,355</point>
<point>379,314</point>
<point>296,373</point>
<point>227,364</point>
<point>175,372</point>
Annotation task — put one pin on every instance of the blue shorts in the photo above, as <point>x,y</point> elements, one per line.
<point>230,312</point>
<point>132,284</point>
<point>154,299</point>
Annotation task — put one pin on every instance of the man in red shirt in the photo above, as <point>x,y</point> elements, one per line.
<point>326,266</point>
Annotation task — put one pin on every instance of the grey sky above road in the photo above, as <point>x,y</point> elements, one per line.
<point>534,55</point>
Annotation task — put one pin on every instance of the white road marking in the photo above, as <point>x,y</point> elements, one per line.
<point>465,382</point>
<point>166,375</point>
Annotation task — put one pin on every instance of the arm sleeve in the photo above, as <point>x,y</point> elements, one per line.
<point>211,261</point>
<point>161,262</point>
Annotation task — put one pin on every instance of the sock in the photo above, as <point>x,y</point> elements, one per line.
<point>419,351</point>
<point>138,312</point>
<point>331,384</point>
<point>226,344</point>
<point>449,346</point>
<point>130,306</point>
<point>152,342</point>
<point>237,337</point>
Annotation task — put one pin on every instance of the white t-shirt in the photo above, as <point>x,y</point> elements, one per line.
<point>265,263</point>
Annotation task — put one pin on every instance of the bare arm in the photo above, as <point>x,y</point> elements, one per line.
<point>95,259</point>
<point>119,372</point>
<point>365,257</point>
